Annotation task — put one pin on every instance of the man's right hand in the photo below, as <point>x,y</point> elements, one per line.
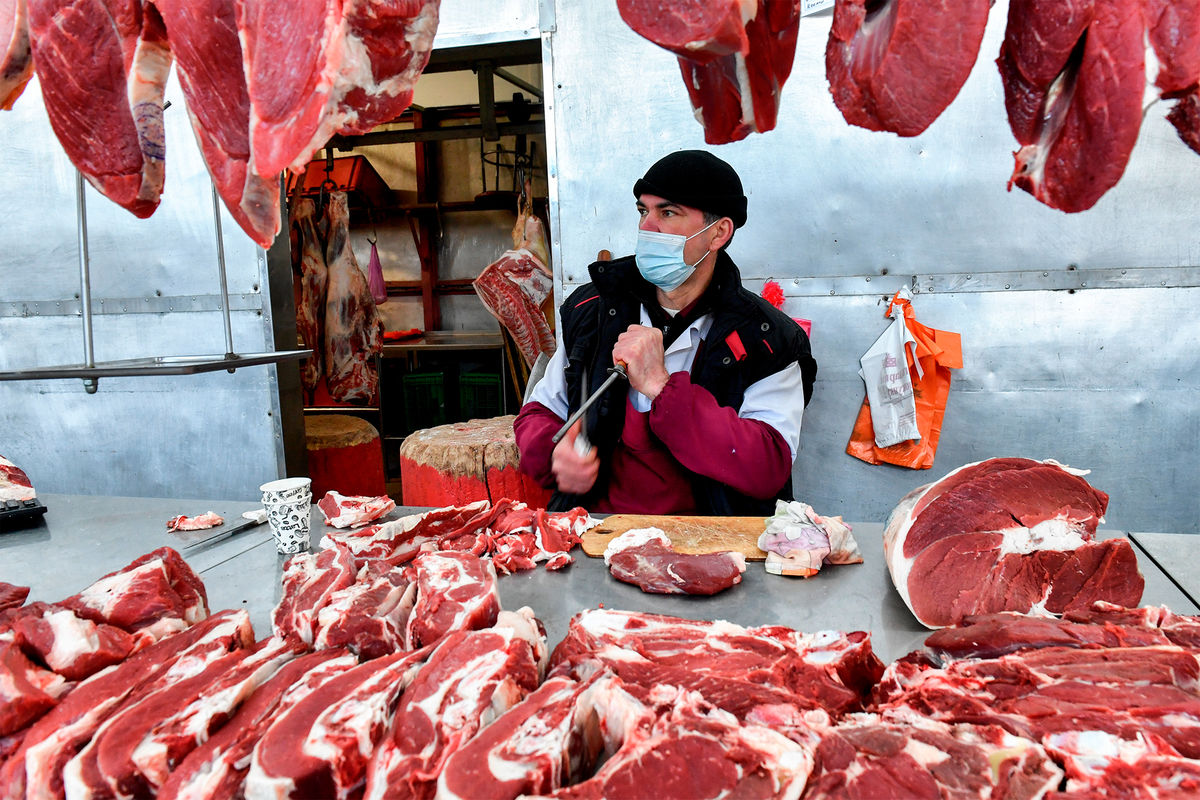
<point>575,473</point>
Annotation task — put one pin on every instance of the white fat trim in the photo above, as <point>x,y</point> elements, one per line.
<point>1053,534</point>
<point>635,537</point>
<point>72,637</point>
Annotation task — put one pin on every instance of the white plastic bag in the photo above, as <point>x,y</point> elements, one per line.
<point>889,385</point>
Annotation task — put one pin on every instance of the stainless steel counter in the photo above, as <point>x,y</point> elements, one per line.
<point>82,538</point>
<point>1176,554</point>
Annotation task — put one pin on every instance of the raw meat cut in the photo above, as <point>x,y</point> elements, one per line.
<point>1180,629</point>
<point>371,615</point>
<point>1101,765</point>
<point>737,95</point>
<point>319,747</point>
<point>398,541</point>
<point>132,752</point>
<point>14,483</point>
<point>1174,32</point>
<point>646,558</point>
<point>156,594</point>
<point>26,690</point>
<point>741,670</point>
<point>74,648</point>
<point>387,44</point>
<point>12,596</point>
<point>734,56</point>
<point>314,284</point>
<point>203,37</point>
<point>217,768</point>
<point>896,65</point>
<point>353,330</point>
<point>16,61</point>
<point>290,87</point>
<point>455,592</point>
<point>1074,74</point>
<point>512,289</point>
<point>798,541</point>
<point>695,29</point>
<point>688,748</point>
<point>102,66</point>
<point>866,756</point>
<point>1006,534</point>
<point>994,635</point>
<point>538,745</point>
<point>348,512</point>
<point>206,520</point>
<point>35,769</point>
<point>471,678</point>
<point>309,580</point>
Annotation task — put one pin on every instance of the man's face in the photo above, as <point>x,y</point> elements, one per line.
<point>661,215</point>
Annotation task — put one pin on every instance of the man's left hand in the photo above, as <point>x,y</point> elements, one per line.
<point>641,349</point>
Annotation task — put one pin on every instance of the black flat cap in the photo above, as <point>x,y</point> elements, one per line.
<point>697,179</point>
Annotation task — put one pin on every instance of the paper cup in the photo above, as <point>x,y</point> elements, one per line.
<point>289,524</point>
<point>286,489</point>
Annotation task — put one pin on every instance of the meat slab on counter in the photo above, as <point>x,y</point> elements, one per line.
<point>646,558</point>
<point>14,483</point>
<point>341,511</point>
<point>1006,534</point>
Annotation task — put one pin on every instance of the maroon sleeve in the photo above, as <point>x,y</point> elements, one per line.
<point>534,426</point>
<point>709,439</point>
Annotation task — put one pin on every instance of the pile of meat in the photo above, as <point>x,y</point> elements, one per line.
<point>336,314</point>
<point>1074,74</point>
<point>265,83</point>
<point>1006,534</point>
<point>514,536</point>
<point>14,483</point>
<point>411,681</point>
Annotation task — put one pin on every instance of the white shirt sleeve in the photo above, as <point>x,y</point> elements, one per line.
<point>778,400</point>
<point>551,390</point>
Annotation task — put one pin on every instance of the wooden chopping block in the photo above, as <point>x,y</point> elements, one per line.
<point>687,534</point>
<point>462,462</point>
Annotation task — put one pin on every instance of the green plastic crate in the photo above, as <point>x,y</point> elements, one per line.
<point>479,395</point>
<point>424,399</point>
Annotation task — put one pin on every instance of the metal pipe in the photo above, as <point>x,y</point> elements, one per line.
<point>85,283</point>
<point>221,268</point>
<point>520,83</point>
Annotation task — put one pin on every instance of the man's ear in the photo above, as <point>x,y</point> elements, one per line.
<point>724,230</point>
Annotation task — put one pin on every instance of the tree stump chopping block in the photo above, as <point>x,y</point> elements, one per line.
<point>463,462</point>
<point>344,454</point>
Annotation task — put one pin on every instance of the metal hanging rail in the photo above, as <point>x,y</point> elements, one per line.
<point>90,371</point>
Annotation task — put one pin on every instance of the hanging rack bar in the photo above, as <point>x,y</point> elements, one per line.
<point>229,353</point>
<point>85,282</point>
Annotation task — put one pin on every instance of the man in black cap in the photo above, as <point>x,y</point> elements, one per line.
<point>709,422</point>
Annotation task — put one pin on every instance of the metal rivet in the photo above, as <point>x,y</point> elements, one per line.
<point>600,270</point>
<point>766,326</point>
<point>726,360</point>
<point>612,312</point>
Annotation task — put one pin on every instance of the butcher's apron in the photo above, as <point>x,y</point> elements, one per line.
<point>645,477</point>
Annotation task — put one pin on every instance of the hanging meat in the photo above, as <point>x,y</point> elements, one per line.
<point>1174,32</point>
<point>208,56</point>
<point>314,282</point>
<point>16,60</point>
<point>1074,74</point>
<point>895,65</point>
<point>514,286</point>
<point>735,57</point>
<point>353,330</point>
<point>102,66</point>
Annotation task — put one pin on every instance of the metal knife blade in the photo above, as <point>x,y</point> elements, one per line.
<point>210,535</point>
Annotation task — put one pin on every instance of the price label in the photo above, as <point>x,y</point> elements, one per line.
<point>813,6</point>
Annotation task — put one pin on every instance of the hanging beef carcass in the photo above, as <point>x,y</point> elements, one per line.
<point>16,61</point>
<point>314,283</point>
<point>353,330</point>
<point>1074,74</point>
<point>1006,534</point>
<point>1173,27</point>
<point>895,65</point>
<point>102,66</point>
<point>513,287</point>
<point>208,56</point>
<point>735,57</point>
<point>357,69</point>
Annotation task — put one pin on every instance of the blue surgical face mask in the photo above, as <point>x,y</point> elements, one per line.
<point>659,257</point>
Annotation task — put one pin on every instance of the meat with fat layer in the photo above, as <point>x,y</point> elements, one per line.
<point>646,558</point>
<point>14,483</point>
<point>201,522</point>
<point>342,511</point>
<point>16,59</point>
<point>1006,535</point>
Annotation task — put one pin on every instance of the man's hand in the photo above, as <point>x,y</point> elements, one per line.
<point>641,349</point>
<point>575,473</point>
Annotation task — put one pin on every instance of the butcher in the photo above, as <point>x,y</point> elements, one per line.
<point>708,421</point>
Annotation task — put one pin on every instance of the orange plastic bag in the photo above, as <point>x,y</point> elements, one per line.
<point>937,352</point>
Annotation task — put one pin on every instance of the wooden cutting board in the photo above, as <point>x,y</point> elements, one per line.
<point>687,534</point>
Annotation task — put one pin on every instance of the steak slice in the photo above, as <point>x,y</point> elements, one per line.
<point>1006,535</point>
<point>646,558</point>
<point>896,65</point>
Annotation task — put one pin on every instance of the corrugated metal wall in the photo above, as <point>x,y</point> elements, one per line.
<point>1074,347</point>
